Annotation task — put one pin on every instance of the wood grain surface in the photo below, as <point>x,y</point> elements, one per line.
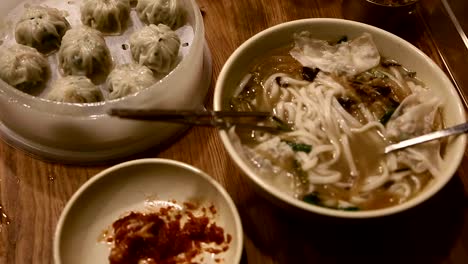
<point>33,192</point>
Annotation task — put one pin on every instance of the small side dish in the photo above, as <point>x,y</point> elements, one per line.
<point>149,211</point>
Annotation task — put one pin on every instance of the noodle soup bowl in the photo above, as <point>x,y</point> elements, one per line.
<point>389,46</point>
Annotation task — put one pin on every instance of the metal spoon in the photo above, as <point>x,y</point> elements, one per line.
<point>455,130</point>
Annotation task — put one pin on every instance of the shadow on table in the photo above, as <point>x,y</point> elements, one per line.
<point>424,234</point>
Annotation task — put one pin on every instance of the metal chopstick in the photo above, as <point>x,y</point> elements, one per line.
<point>152,114</point>
<point>220,119</point>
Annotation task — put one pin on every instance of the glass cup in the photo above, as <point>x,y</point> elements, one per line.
<point>387,14</point>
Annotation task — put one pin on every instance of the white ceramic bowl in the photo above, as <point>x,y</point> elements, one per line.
<point>84,132</point>
<point>126,187</point>
<point>390,46</point>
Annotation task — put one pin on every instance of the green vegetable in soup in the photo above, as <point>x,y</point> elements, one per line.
<point>386,117</point>
<point>314,198</point>
<point>299,147</point>
<point>342,39</point>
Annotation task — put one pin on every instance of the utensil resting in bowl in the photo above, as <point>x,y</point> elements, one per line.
<point>262,121</point>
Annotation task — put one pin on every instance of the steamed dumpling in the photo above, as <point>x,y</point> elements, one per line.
<point>74,89</point>
<point>127,79</point>
<point>156,47</point>
<point>84,52</point>
<point>107,16</point>
<point>168,12</point>
<point>23,67</point>
<point>41,28</point>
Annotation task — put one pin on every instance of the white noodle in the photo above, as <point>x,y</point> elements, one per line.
<point>423,158</point>
<point>398,176</point>
<point>321,122</point>
<point>417,183</point>
<point>345,115</point>
<point>401,80</point>
<point>358,199</point>
<point>367,114</point>
<point>368,127</point>
<point>402,189</point>
<point>323,177</point>
<point>349,156</point>
<point>374,182</point>
<point>391,77</point>
<point>242,85</point>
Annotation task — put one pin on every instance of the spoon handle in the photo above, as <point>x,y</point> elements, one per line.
<point>458,129</point>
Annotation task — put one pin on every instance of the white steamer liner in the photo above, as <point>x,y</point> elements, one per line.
<point>83,133</point>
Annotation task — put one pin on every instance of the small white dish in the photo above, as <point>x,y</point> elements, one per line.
<point>126,187</point>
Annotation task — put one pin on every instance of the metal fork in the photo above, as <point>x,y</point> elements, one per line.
<point>458,129</point>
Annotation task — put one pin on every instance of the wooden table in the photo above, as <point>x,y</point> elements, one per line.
<point>34,192</point>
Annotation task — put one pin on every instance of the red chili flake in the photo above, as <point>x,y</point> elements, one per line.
<point>213,209</point>
<point>158,238</point>
<point>164,211</point>
<point>191,206</point>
